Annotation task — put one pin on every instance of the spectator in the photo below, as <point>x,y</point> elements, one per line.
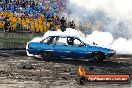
<point>7,25</point>
<point>56,20</point>
<point>28,9</point>
<point>33,4</point>
<point>63,21</point>
<point>63,24</point>
<point>18,26</point>
<point>1,9</point>
<point>34,9</point>
<point>69,23</point>
<point>1,18</point>
<point>51,28</point>
<point>23,4</point>
<point>72,25</point>
<point>39,7</point>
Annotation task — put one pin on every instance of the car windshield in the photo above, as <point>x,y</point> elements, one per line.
<point>78,42</point>
<point>48,40</point>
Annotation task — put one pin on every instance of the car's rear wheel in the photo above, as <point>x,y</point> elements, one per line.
<point>98,56</point>
<point>46,55</point>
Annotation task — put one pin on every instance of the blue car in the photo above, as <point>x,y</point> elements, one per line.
<point>68,47</point>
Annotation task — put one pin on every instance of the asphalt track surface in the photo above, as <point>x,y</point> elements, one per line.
<point>20,71</point>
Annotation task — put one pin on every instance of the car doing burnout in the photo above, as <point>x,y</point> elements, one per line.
<point>68,47</point>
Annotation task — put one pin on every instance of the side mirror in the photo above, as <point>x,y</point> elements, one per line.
<point>41,42</point>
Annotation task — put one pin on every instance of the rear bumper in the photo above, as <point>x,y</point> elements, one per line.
<point>30,51</point>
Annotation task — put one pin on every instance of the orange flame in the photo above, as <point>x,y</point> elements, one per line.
<point>81,71</point>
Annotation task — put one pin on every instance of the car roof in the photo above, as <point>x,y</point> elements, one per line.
<point>63,36</point>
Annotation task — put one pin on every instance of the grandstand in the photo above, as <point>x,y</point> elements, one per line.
<point>30,15</point>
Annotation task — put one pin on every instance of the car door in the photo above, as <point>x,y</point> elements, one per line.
<point>78,49</point>
<point>46,44</point>
<point>60,47</point>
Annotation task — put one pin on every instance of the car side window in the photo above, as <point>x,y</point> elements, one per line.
<point>70,40</point>
<point>61,41</point>
<point>57,40</point>
<point>54,41</point>
<point>74,41</point>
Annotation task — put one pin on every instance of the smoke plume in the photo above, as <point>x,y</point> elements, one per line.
<point>104,22</point>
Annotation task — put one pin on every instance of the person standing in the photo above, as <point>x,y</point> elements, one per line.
<point>7,25</point>
<point>63,24</point>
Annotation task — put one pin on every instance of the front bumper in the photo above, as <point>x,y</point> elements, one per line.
<point>110,54</point>
<point>32,51</point>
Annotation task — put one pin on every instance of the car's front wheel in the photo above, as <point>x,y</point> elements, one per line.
<point>98,56</point>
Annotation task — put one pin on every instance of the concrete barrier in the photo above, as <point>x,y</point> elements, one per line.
<point>16,35</point>
<point>12,46</point>
<point>19,35</point>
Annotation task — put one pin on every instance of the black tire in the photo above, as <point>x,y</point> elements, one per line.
<point>81,80</point>
<point>98,56</point>
<point>46,55</point>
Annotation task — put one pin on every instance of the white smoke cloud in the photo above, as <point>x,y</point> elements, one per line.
<point>122,46</point>
<point>116,8</point>
<point>103,39</point>
<point>69,31</point>
<point>115,22</point>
